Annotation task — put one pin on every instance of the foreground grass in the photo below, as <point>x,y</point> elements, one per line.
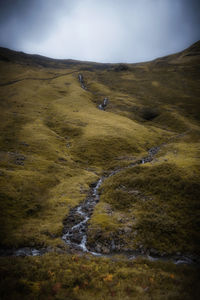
<point>56,276</point>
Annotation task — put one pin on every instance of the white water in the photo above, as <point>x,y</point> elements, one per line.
<point>92,201</point>
<point>82,225</point>
<point>84,211</point>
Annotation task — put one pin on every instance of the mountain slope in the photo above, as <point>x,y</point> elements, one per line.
<point>55,143</point>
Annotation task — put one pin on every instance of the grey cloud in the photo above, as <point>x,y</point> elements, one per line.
<point>105,31</point>
<point>29,19</point>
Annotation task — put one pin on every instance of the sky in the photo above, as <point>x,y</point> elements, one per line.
<point>100,30</point>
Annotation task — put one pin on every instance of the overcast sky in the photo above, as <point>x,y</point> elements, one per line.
<point>100,30</point>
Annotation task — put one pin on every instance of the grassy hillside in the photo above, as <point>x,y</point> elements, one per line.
<point>55,142</point>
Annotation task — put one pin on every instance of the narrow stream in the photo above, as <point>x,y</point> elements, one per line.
<point>76,223</point>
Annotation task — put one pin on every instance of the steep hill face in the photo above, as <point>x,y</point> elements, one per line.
<point>55,141</point>
<point>66,123</point>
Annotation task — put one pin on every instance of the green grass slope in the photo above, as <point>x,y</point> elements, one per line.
<point>53,139</point>
<point>55,142</point>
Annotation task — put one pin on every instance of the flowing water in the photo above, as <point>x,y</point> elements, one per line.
<point>76,223</point>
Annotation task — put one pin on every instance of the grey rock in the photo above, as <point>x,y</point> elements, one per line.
<point>118,247</point>
<point>154,251</point>
<point>76,238</point>
<point>20,159</point>
<point>105,250</point>
<point>127,230</point>
<point>113,245</point>
<point>24,144</point>
<point>98,248</point>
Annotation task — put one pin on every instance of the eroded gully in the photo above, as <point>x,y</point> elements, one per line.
<point>76,223</point>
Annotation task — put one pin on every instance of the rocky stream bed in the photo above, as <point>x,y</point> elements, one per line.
<point>76,223</point>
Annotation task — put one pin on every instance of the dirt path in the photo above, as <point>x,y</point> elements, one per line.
<point>34,78</point>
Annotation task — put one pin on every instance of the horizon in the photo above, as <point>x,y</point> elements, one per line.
<point>96,62</point>
<point>106,32</point>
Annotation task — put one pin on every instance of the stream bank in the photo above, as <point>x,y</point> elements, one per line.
<point>75,227</point>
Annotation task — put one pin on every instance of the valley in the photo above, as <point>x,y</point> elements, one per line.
<point>125,172</point>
